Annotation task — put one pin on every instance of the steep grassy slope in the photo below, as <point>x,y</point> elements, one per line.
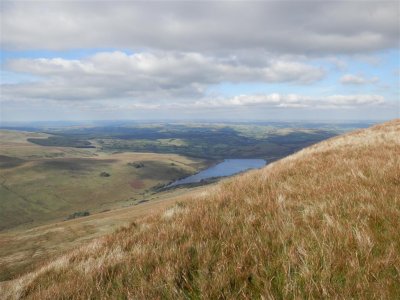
<point>23,250</point>
<point>323,223</point>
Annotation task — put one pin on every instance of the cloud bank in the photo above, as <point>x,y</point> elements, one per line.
<point>295,101</point>
<point>296,27</point>
<point>148,76</point>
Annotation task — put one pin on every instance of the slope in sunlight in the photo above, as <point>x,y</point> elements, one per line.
<point>323,222</point>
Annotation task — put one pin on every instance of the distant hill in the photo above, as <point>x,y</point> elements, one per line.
<point>322,223</point>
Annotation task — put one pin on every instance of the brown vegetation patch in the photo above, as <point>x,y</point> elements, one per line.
<point>10,162</point>
<point>75,164</point>
<point>137,184</point>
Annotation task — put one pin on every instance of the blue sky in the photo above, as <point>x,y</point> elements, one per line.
<point>311,60</point>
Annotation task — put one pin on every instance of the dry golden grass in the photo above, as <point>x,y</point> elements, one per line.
<point>24,250</point>
<point>323,223</point>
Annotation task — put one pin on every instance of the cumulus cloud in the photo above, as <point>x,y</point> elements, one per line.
<point>254,101</point>
<point>296,27</point>
<point>357,79</point>
<point>152,76</point>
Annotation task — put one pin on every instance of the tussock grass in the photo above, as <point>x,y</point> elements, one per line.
<point>323,223</point>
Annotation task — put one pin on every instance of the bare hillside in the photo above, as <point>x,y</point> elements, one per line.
<point>322,223</point>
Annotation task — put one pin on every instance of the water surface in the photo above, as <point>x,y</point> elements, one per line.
<point>226,168</point>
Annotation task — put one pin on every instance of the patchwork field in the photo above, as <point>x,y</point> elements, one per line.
<point>209,140</point>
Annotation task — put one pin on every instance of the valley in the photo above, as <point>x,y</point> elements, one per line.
<point>318,222</point>
<point>61,187</point>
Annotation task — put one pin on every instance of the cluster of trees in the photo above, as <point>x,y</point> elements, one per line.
<point>78,214</point>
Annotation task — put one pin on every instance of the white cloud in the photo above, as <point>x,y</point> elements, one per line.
<point>303,27</point>
<point>357,79</point>
<point>294,101</point>
<point>152,76</point>
<point>259,101</point>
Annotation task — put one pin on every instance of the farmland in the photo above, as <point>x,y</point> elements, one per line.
<point>209,141</point>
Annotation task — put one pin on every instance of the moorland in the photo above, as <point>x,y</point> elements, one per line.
<point>320,223</point>
<point>62,186</point>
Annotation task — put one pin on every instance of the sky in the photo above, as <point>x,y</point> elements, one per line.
<point>191,60</point>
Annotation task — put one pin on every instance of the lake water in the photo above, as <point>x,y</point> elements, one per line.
<point>226,168</point>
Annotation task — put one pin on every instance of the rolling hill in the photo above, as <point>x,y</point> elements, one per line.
<point>40,185</point>
<point>322,223</point>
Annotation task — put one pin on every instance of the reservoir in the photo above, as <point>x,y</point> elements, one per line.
<point>226,168</point>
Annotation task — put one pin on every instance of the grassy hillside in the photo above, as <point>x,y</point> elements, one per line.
<point>15,144</point>
<point>323,223</point>
<point>23,250</point>
<point>41,184</point>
